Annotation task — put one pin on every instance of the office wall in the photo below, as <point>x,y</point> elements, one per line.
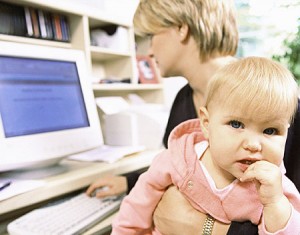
<point>121,10</point>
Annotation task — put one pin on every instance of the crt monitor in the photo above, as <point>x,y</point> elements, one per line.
<point>47,107</point>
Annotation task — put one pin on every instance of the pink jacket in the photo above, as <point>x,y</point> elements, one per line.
<point>179,165</point>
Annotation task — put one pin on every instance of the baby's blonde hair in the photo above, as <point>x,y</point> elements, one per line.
<point>211,23</point>
<point>258,86</point>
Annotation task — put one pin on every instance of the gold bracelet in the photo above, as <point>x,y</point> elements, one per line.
<point>208,225</point>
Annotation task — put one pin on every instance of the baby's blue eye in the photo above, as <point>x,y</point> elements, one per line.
<point>271,131</point>
<point>235,124</point>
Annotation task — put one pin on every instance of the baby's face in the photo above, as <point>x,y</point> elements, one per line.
<point>237,140</point>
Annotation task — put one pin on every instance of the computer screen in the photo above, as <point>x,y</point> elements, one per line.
<point>47,106</point>
<point>35,98</point>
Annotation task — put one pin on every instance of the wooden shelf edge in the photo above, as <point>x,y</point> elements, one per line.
<point>35,41</point>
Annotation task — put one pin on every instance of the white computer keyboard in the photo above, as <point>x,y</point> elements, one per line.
<point>72,216</point>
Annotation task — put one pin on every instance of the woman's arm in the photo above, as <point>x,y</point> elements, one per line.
<point>174,215</point>
<point>115,185</point>
<point>132,178</point>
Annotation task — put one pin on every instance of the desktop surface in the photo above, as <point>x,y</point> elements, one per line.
<point>72,176</point>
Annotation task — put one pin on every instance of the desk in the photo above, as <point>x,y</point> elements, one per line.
<point>77,175</point>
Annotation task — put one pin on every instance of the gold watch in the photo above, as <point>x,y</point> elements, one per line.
<point>208,225</point>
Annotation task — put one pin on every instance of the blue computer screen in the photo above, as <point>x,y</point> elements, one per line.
<point>38,95</point>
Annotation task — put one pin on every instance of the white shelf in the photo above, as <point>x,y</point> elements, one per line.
<point>103,54</point>
<point>41,42</point>
<point>102,62</point>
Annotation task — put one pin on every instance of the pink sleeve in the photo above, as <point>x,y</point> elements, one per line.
<point>293,225</point>
<point>135,214</point>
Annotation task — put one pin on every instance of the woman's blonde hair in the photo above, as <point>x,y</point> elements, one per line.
<point>258,86</point>
<point>211,23</point>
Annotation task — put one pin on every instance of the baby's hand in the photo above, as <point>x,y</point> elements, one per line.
<point>267,178</point>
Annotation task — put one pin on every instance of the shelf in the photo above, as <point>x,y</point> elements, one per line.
<point>126,87</point>
<point>68,6</point>
<point>95,20</point>
<point>103,54</point>
<point>35,41</point>
<point>114,61</point>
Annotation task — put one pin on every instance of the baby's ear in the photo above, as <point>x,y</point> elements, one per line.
<point>204,121</point>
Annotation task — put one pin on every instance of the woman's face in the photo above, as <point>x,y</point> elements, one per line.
<point>165,48</point>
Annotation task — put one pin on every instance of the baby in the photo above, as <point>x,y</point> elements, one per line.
<point>228,163</point>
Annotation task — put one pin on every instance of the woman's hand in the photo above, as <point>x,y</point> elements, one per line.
<point>174,215</point>
<point>115,185</point>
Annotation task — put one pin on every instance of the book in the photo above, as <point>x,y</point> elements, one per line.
<point>14,18</point>
<point>35,22</point>
<point>57,27</point>
<point>42,23</point>
<point>64,28</point>
<point>29,26</point>
<point>28,21</point>
<point>48,24</point>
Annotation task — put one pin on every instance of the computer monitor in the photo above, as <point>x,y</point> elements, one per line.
<point>47,106</point>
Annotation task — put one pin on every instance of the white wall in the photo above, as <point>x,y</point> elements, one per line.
<point>120,10</point>
<point>171,87</point>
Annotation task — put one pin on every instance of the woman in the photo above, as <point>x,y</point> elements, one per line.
<point>191,38</point>
<point>193,51</point>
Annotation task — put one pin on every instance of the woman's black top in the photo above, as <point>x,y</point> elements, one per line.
<point>183,109</point>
